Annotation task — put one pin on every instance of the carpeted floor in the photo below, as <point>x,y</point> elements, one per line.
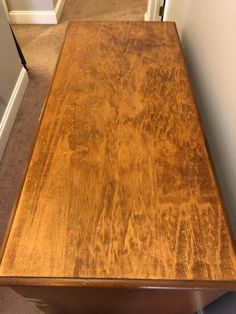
<point>41,46</point>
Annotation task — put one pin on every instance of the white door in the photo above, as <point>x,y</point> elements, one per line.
<point>207,31</point>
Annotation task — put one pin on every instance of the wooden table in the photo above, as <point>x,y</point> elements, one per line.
<point>120,211</point>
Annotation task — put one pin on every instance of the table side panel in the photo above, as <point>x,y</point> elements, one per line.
<point>116,301</point>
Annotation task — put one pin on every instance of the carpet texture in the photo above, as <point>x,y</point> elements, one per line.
<point>41,45</point>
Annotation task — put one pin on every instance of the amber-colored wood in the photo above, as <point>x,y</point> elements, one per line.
<point>120,184</point>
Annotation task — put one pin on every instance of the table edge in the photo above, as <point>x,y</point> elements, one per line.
<point>229,285</point>
<point>14,209</point>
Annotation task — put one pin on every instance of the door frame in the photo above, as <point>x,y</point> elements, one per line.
<point>5,7</point>
<point>153,8</point>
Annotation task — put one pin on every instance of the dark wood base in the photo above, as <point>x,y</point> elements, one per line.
<point>118,301</point>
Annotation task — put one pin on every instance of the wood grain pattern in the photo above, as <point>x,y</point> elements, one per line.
<point>120,184</point>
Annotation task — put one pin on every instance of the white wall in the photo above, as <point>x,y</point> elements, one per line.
<point>207,30</point>
<point>13,80</point>
<point>31,5</point>
<point>10,63</point>
<point>34,11</point>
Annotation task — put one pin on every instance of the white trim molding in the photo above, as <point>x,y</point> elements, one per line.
<point>5,7</point>
<point>38,17</point>
<point>11,110</point>
<point>58,9</point>
<point>153,8</point>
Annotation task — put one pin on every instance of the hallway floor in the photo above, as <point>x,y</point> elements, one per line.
<point>41,45</point>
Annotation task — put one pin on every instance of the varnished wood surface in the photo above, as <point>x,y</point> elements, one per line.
<point>120,184</point>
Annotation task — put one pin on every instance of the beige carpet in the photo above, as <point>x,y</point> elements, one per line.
<point>41,45</point>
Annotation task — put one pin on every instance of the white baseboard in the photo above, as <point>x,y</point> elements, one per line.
<point>13,105</point>
<point>37,17</point>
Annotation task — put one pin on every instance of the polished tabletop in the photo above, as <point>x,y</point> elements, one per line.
<point>120,184</point>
